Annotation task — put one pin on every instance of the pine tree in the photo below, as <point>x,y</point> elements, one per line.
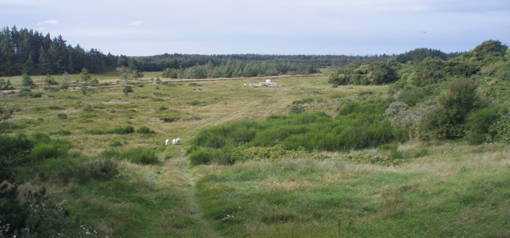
<point>84,75</point>
<point>26,81</point>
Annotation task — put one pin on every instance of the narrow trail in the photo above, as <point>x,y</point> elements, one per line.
<point>178,177</point>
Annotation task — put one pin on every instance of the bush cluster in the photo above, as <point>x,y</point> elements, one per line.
<point>145,130</point>
<point>499,130</point>
<point>117,130</point>
<point>449,117</point>
<point>46,148</point>
<point>303,101</point>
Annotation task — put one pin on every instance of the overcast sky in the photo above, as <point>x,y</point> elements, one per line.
<point>353,27</point>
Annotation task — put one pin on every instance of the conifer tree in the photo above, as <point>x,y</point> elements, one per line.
<point>27,81</point>
<point>84,75</point>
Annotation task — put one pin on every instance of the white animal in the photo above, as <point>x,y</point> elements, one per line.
<point>167,141</point>
<point>173,142</point>
<point>178,141</point>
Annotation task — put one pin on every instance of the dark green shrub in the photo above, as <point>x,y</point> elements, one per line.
<point>478,124</point>
<point>49,80</point>
<point>169,119</point>
<point>140,155</point>
<point>297,109</point>
<point>6,168</point>
<point>99,169</point>
<point>23,220</point>
<point>61,116</point>
<point>122,130</point>
<point>61,132</point>
<point>303,101</point>
<point>455,104</point>
<point>14,147</point>
<point>145,130</point>
<point>36,95</point>
<point>363,93</point>
<point>500,129</point>
<point>94,82</point>
<point>194,103</point>
<point>480,120</point>
<point>117,130</point>
<point>6,85</point>
<point>201,156</point>
<point>127,89</point>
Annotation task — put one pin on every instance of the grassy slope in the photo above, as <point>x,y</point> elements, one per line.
<point>456,190</point>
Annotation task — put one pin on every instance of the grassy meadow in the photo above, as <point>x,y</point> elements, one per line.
<point>440,189</point>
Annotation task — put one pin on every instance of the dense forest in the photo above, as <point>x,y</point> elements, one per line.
<point>32,52</point>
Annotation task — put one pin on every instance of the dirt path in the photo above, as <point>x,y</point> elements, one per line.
<point>177,176</point>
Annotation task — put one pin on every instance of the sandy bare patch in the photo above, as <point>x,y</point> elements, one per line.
<point>116,101</point>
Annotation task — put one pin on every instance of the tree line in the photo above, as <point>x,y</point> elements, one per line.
<point>29,51</point>
<point>32,52</point>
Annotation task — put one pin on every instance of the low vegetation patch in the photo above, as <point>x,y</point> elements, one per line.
<point>117,130</point>
<point>358,126</point>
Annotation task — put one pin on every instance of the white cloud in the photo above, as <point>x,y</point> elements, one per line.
<point>134,23</point>
<point>50,22</point>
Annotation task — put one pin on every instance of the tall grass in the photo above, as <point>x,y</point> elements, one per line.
<point>357,126</point>
<point>139,155</point>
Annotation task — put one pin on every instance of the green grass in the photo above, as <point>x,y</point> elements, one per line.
<point>444,188</point>
<point>305,198</point>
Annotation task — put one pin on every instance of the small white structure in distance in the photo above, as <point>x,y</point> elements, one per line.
<point>268,83</point>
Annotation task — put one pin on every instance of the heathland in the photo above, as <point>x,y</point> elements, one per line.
<point>407,146</point>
